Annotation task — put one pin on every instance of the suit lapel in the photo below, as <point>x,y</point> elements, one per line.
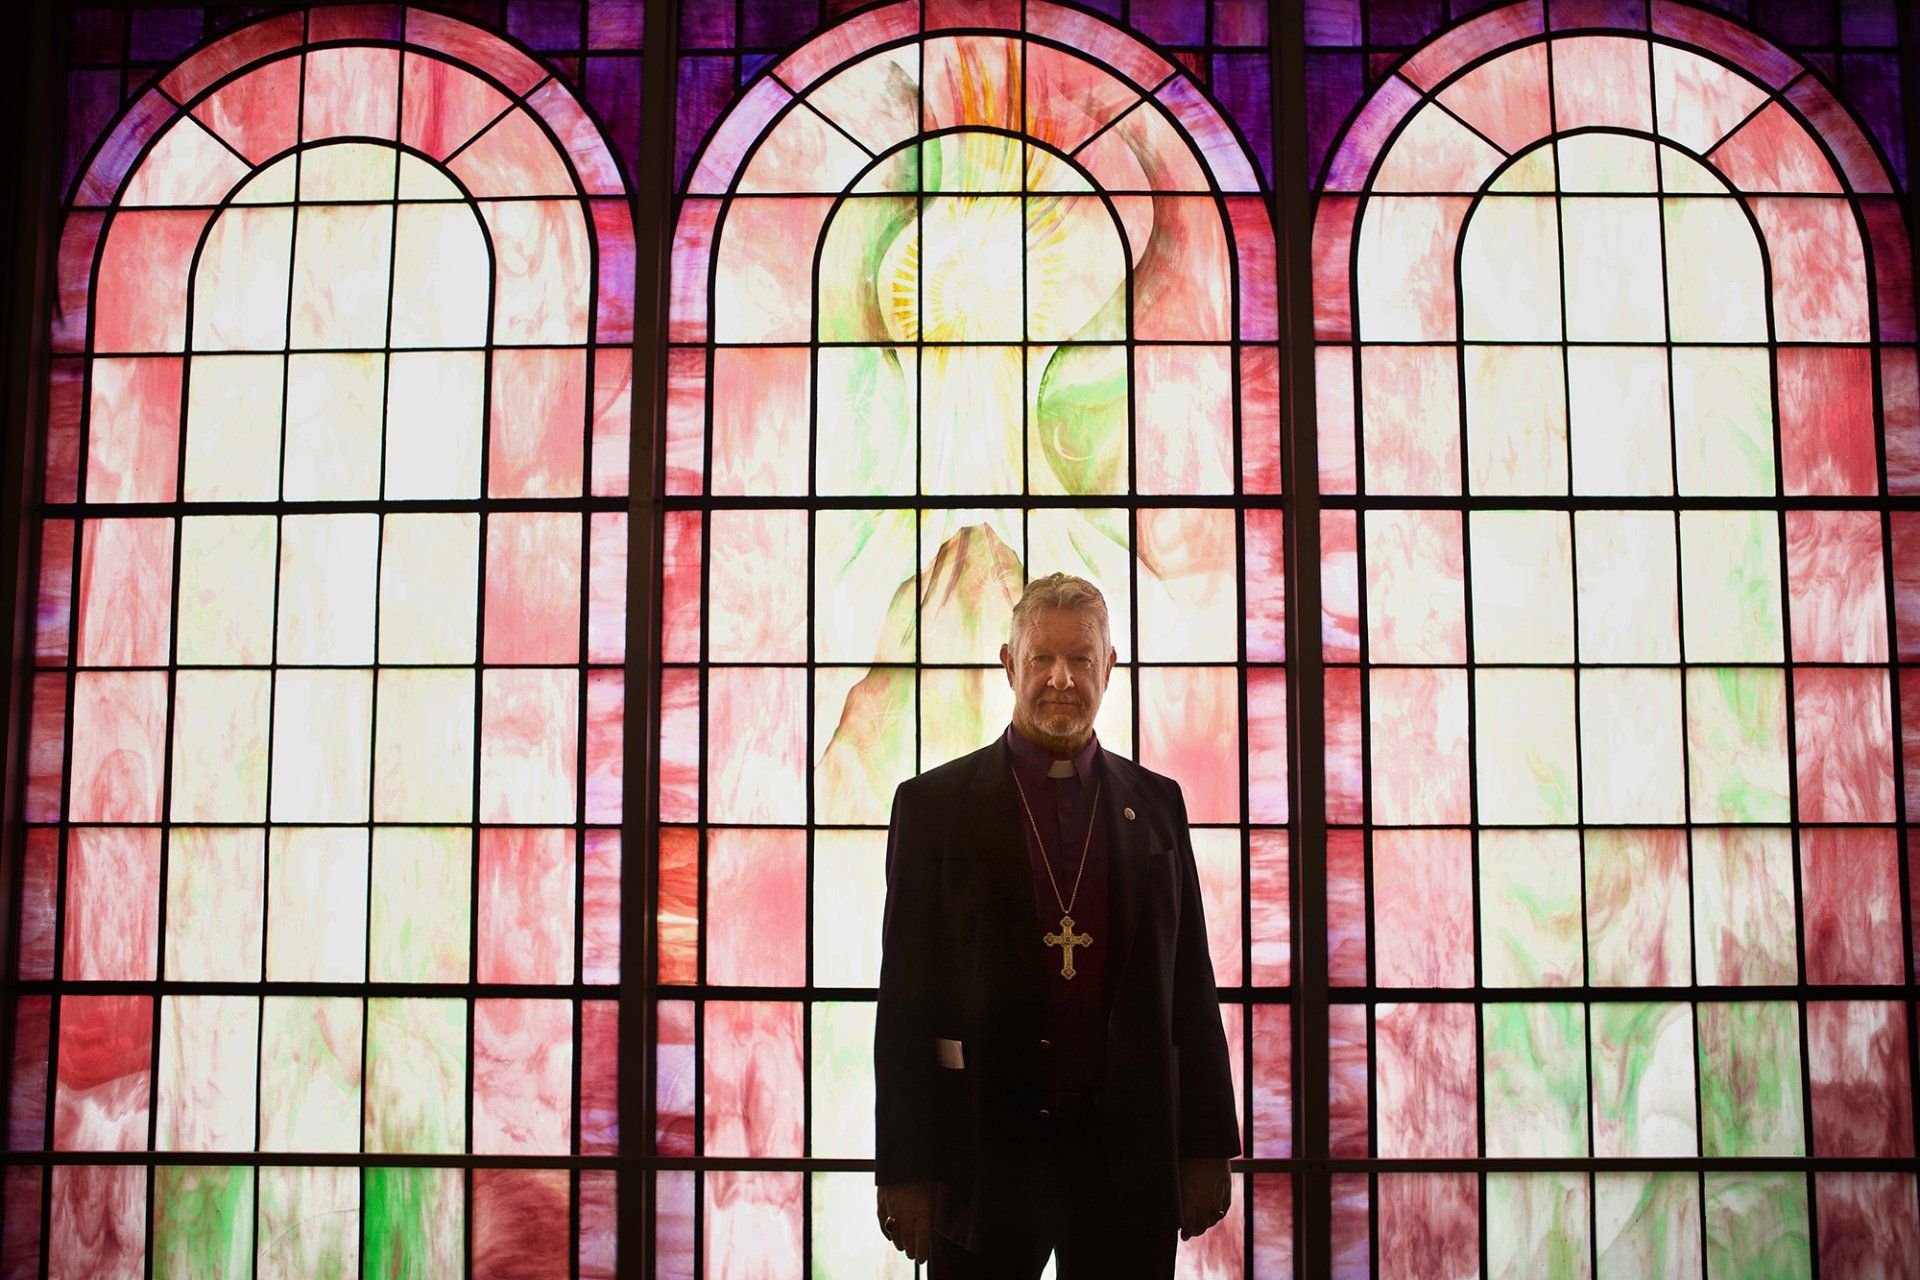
<point>1127,850</point>
<point>999,855</point>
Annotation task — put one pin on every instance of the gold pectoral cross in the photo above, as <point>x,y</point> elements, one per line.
<point>1067,940</point>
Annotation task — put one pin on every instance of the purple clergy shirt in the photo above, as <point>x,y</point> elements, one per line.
<point>1062,807</point>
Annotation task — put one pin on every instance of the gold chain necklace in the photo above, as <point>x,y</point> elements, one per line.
<point>1066,939</point>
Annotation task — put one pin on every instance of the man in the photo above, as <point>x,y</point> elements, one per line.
<point>1050,1069</point>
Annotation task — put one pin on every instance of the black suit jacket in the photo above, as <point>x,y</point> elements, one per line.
<point>961,960</point>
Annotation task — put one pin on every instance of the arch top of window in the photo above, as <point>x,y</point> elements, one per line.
<point>816,121</point>
<point>1493,87</point>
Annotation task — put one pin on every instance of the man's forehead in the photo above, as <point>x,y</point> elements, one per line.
<point>1062,626</point>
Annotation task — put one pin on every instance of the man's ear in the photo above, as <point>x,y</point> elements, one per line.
<point>1006,663</point>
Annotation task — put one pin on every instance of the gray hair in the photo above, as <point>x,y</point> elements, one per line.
<point>1059,591</point>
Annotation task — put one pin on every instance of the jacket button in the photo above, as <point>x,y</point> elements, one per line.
<point>1046,1044</point>
<point>1045,1114</point>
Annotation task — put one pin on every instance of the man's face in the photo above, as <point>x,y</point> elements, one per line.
<point>1058,671</point>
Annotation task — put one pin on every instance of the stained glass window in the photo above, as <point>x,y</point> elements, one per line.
<point>1615,380</point>
<point>960,294</point>
<point>324,795</point>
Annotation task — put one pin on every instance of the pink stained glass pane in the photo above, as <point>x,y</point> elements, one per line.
<point>693,236</point>
<point>20,1245</point>
<point>101,1073</point>
<point>522,1077</point>
<point>133,438</point>
<point>1270,943</point>
<point>443,105</point>
<point>614,244</point>
<point>1423,908</point>
<point>1429,1224</point>
<point>27,1106</point>
<point>1415,596</point>
<point>1900,404</point>
<point>536,427</point>
<point>525,925</point>
<point>1183,414</point>
<point>762,289</point>
<point>1261,468</point>
<point>679,745</point>
<point>1339,586</point>
<point>64,395</point>
<point>1427,1080</point>
<point>351,92</point>
<point>606,586</point>
<point>39,863</point>
<point>676,1077</point>
<point>97,1227</point>
<point>1417,722</point>
<point>1347,1071</point>
<point>513,157</point>
<point>1868,1224</point>
<point>141,302</point>
<point>1272,1197</point>
<point>1267,744</point>
<point>606,737</point>
<point>53,613</point>
<point>1187,731</point>
<point>1819,268</point>
<point>1505,99</point>
<point>1827,444</point>
<point>1862,1096</point>
<point>756,745</point>
<point>519,1225</point>
<point>759,437</point>
<point>112,903</point>
<point>1272,1082</point>
<point>1604,81</point>
<point>1345,801</point>
<point>1843,747</point>
<point>753,1225</point>
<point>1346,909</point>
<point>598,1249</point>
<point>679,910</point>
<point>752,1078</point>
<point>257,115</point>
<point>599,1100</point>
<point>1265,589</point>
<point>1773,151</point>
<point>1185,293</point>
<point>119,719</point>
<point>126,591</point>
<point>600,910</point>
<point>612,416</point>
<point>756,907</point>
<point>1410,419</point>
<point>1836,587</point>
<point>542,274</point>
<point>680,591</point>
<point>528,748</point>
<point>46,748</point>
<point>686,420</point>
<point>1850,901</point>
<point>465,43</point>
<point>757,586</point>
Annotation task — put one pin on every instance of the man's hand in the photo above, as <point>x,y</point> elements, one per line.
<point>1206,1190</point>
<point>906,1217</point>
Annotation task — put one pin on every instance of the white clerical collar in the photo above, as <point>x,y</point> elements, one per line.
<point>1060,769</point>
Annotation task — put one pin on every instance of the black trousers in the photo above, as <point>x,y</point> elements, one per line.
<point>1080,1223</point>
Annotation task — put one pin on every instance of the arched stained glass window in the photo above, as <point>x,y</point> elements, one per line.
<point>325,786</point>
<point>960,294</point>
<point>1616,386</point>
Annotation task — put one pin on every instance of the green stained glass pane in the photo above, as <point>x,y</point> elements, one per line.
<point>1091,543</point>
<point>866,411</point>
<point>202,1221</point>
<point>1723,420</point>
<point>973,160</point>
<point>1757,1226</point>
<point>1530,925</point>
<point>845,1242</point>
<point>414,1223</point>
<point>1537,1226</point>
<point>961,710</point>
<point>841,1079</point>
<point>1743,905</point>
<point>1536,1079</point>
<point>970,577</point>
<point>1730,585</point>
<point>863,573</point>
<point>1750,1099</point>
<point>307,1224</point>
<point>1647,1225</point>
<point>416,1075</point>
<point>1637,906</point>
<point>1524,752</point>
<point>1737,744</point>
<point>846,919</point>
<point>421,904</point>
<point>310,1064</point>
<point>1077,419</point>
<point>1643,1079</point>
<point>897,172</point>
<point>869,271</point>
<point>863,731</point>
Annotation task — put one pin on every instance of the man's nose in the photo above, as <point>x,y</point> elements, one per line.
<point>1060,677</point>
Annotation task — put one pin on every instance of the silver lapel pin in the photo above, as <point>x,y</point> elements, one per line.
<point>1128,813</point>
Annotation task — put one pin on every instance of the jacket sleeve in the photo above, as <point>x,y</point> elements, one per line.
<point>905,1138</point>
<point>1207,1123</point>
